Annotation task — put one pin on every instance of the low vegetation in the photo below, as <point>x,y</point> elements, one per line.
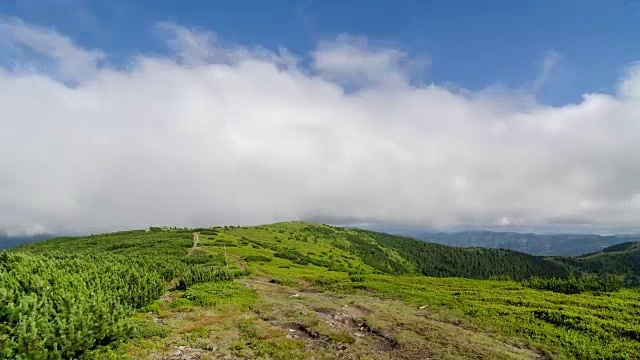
<point>61,306</point>
<point>573,285</point>
<point>305,291</point>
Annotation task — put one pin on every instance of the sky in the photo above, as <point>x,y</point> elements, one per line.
<point>444,115</point>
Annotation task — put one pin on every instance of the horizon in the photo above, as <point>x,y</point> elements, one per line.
<point>410,231</point>
<point>463,115</point>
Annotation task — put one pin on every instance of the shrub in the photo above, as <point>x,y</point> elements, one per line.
<point>503,277</point>
<point>202,257</point>
<point>221,293</point>
<point>63,306</point>
<point>201,274</point>
<point>342,337</point>
<point>286,281</point>
<point>257,258</point>
<point>147,329</point>
<point>356,277</point>
<point>573,285</point>
<point>206,231</point>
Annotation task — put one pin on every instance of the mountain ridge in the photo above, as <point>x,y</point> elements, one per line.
<point>530,243</point>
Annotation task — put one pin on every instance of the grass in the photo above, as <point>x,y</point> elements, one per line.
<point>220,294</point>
<point>336,306</point>
<point>588,325</point>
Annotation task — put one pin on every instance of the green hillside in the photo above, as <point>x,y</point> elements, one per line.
<point>622,259</point>
<point>298,291</point>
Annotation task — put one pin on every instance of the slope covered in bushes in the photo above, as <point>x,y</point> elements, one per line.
<point>100,297</point>
<point>61,306</point>
<point>65,297</point>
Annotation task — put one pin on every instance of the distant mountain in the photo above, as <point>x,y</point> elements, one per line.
<point>10,242</point>
<point>534,244</point>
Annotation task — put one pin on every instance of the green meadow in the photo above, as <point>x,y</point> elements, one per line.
<point>303,291</point>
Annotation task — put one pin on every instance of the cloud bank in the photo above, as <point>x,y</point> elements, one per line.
<point>225,134</point>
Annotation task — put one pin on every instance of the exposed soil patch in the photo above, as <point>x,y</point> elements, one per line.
<point>461,325</point>
<point>168,297</point>
<point>337,319</point>
<point>410,354</point>
<point>182,353</point>
<point>305,287</point>
<point>242,263</point>
<point>384,342</point>
<point>539,354</point>
<point>327,311</point>
<point>297,331</point>
<point>356,311</point>
<point>309,290</point>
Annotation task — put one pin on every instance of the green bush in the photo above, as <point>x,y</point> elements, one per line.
<point>356,277</point>
<point>573,285</point>
<point>147,329</point>
<point>199,256</point>
<point>221,293</point>
<point>503,277</point>
<point>257,258</point>
<point>201,274</point>
<point>210,232</point>
<point>62,306</point>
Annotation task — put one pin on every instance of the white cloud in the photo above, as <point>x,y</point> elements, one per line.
<point>192,46</point>
<point>550,60</point>
<point>351,60</point>
<point>68,61</point>
<point>629,85</point>
<point>228,135</point>
<point>200,47</point>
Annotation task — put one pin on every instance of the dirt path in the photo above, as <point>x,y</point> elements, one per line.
<point>196,241</point>
<point>239,261</point>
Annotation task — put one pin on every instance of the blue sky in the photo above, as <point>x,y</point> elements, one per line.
<point>473,44</point>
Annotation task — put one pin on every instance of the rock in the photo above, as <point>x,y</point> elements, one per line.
<point>210,347</point>
<point>182,353</point>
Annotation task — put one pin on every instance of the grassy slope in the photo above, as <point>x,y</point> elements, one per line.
<point>622,259</point>
<point>623,248</point>
<point>301,310</point>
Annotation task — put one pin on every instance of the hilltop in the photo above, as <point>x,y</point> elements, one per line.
<point>298,290</point>
<point>340,249</point>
